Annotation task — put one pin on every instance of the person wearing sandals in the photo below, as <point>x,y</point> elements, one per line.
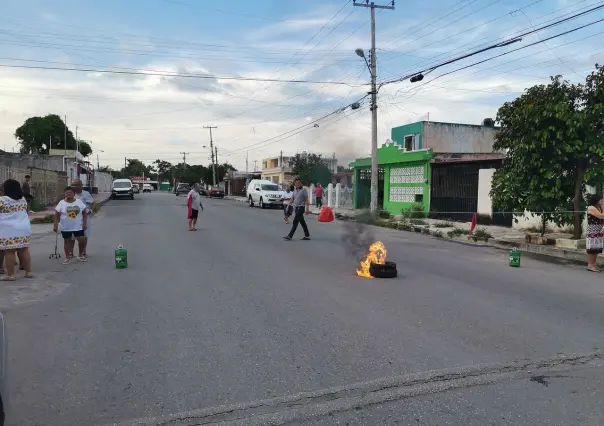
<point>595,224</point>
<point>72,217</point>
<point>87,199</point>
<point>15,230</point>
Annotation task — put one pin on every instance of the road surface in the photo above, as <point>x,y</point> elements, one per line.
<point>233,325</point>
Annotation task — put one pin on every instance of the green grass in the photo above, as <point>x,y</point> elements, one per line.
<point>481,235</point>
<point>457,232</point>
<point>444,225</point>
<point>420,222</point>
<point>46,219</point>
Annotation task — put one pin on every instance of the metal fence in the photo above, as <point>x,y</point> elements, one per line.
<point>46,185</point>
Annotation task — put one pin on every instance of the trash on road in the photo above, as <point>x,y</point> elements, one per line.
<point>121,257</point>
<point>515,258</point>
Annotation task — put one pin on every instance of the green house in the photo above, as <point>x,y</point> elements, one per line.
<point>432,164</point>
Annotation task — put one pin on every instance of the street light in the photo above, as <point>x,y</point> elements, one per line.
<point>374,160</point>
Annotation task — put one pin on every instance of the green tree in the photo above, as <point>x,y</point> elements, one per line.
<point>84,148</point>
<point>551,148</point>
<point>136,167</point>
<point>311,168</point>
<point>164,170</point>
<point>36,133</point>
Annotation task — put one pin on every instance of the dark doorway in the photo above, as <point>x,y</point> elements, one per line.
<point>454,190</point>
<point>363,188</point>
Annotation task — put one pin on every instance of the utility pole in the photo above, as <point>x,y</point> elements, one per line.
<point>98,164</point>
<point>246,166</point>
<point>212,151</point>
<point>373,68</point>
<point>65,141</point>
<point>77,141</point>
<point>255,166</point>
<point>184,158</point>
<point>50,145</point>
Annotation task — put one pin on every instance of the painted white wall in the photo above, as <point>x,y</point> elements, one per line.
<point>529,220</point>
<point>485,182</point>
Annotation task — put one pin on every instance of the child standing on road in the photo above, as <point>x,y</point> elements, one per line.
<point>72,216</point>
<point>287,208</point>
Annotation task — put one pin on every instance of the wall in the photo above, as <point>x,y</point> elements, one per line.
<point>485,204</point>
<point>45,162</point>
<point>405,172</point>
<point>402,182</point>
<point>397,134</point>
<point>485,181</point>
<point>459,138</point>
<point>103,181</point>
<point>46,185</point>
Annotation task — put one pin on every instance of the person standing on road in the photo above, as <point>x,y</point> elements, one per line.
<point>301,204</point>
<point>595,228</point>
<point>88,200</point>
<point>15,230</point>
<point>194,204</point>
<point>319,195</point>
<point>287,208</point>
<point>71,214</point>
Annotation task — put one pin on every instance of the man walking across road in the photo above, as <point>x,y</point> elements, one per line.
<point>194,204</point>
<point>301,204</point>
<point>88,200</point>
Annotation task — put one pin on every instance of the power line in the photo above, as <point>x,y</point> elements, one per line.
<point>165,74</point>
<point>504,43</point>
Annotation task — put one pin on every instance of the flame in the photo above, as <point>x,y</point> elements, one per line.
<point>377,254</point>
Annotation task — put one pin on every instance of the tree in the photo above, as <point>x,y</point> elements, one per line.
<point>342,169</point>
<point>164,170</point>
<point>137,168</point>
<point>84,148</point>
<point>551,148</point>
<point>311,168</point>
<point>37,133</point>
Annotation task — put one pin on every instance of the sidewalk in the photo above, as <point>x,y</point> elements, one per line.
<point>100,198</point>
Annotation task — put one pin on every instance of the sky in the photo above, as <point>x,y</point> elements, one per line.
<point>152,73</point>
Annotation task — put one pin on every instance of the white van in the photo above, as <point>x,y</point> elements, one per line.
<point>122,188</point>
<point>264,193</point>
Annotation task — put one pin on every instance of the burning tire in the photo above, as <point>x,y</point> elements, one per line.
<point>386,270</point>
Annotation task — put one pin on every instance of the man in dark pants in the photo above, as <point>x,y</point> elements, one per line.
<point>300,201</point>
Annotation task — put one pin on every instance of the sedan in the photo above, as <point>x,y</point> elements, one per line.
<point>216,192</point>
<point>182,189</point>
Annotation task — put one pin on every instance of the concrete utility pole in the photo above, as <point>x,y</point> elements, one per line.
<point>212,151</point>
<point>246,165</point>
<point>65,141</point>
<point>184,158</point>
<point>373,69</point>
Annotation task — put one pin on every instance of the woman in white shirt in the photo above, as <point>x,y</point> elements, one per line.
<point>15,230</point>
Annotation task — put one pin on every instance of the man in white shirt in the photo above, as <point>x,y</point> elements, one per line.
<point>88,200</point>
<point>194,204</point>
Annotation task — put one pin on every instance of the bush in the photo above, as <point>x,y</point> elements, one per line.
<point>37,205</point>
<point>420,222</point>
<point>383,214</point>
<point>444,225</point>
<point>457,232</point>
<point>481,234</point>
<point>415,211</point>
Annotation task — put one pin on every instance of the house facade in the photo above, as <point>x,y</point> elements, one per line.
<point>277,170</point>
<point>435,165</point>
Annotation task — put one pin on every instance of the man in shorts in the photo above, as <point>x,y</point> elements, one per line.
<point>194,204</point>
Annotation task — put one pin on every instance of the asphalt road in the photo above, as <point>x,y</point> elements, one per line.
<point>233,325</point>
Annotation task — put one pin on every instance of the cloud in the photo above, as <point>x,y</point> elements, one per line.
<point>152,117</point>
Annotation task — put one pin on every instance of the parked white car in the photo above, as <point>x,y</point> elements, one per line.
<point>264,193</point>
